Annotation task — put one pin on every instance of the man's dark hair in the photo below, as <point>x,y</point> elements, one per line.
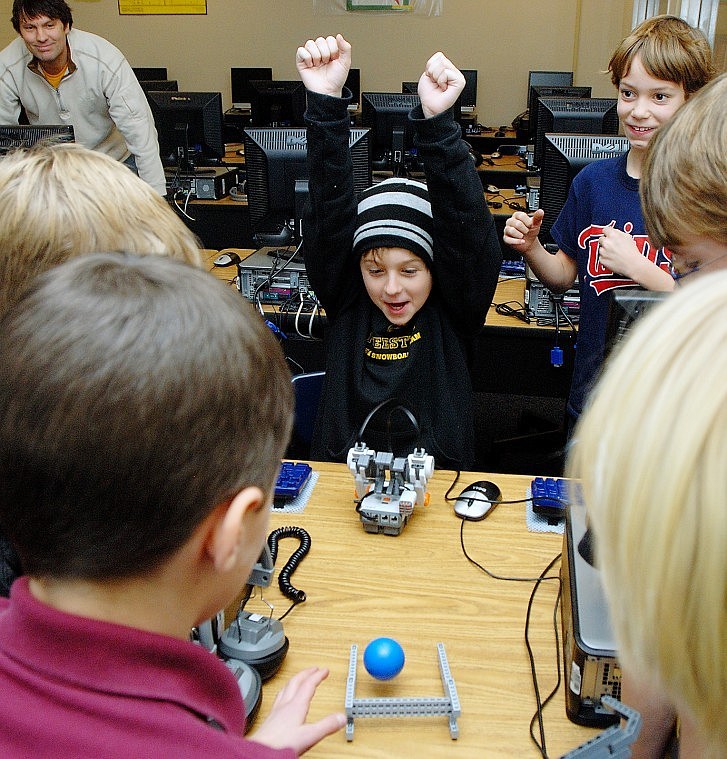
<point>30,9</point>
<point>136,394</point>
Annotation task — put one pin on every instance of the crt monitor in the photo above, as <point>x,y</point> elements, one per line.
<point>564,156</point>
<point>276,160</point>
<point>25,136</point>
<point>147,73</point>
<point>392,134</point>
<point>240,83</point>
<point>189,126</point>
<point>575,116</point>
<point>550,91</point>
<point>277,103</point>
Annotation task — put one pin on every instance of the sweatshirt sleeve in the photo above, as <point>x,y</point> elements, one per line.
<point>330,215</point>
<point>467,252</point>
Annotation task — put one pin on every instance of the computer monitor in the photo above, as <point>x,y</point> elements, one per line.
<point>160,85</point>
<point>189,126</point>
<point>550,91</point>
<point>276,161</point>
<point>353,83</point>
<point>240,79</point>
<point>392,134</point>
<point>627,306</point>
<point>550,78</point>
<point>26,135</point>
<point>145,74</point>
<point>469,93</point>
<point>564,156</point>
<point>277,103</point>
<point>579,115</point>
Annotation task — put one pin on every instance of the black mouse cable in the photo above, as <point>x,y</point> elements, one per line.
<point>540,705</point>
<point>491,574</point>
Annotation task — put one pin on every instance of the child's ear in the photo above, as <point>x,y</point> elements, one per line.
<point>228,534</point>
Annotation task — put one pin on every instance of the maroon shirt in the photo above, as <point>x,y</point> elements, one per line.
<point>78,687</point>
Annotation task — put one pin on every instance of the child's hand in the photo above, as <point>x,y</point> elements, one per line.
<point>285,726</point>
<point>521,230</point>
<point>617,250</point>
<point>323,64</point>
<point>440,85</point>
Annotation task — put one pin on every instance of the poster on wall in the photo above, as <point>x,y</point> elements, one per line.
<point>387,7</point>
<point>162,7</point>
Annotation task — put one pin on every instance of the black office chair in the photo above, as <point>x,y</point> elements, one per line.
<point>307,389</point>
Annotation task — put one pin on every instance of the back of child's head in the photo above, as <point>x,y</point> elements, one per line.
<point>395,213</point>
<point>651,449</point>
<point>64,200</point>
<point>684,180</point>
<point>669,49</point>
<point>136,394</point>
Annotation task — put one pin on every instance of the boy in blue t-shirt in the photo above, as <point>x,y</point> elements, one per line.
<point>600,232</point>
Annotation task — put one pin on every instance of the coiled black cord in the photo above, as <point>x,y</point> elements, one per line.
<point>284,583</point>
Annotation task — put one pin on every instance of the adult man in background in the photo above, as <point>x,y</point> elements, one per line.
<point>61,75</point>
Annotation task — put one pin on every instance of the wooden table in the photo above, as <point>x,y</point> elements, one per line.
<point>419,588</point>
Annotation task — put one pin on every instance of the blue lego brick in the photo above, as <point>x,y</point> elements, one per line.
<point>291,480</point>
<point>550,496</point>
<point>512,268</point>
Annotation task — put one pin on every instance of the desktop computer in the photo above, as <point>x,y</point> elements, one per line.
<point>540,303</point>
<point>210,183</point>
<point>591,670</point>
<point>261,278</point>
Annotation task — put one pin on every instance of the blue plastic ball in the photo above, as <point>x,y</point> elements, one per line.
<point>383,658</point>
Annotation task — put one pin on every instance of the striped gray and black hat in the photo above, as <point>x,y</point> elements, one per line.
<point>395,213</point>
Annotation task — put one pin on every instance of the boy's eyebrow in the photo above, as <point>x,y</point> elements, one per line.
<point>666,86</point>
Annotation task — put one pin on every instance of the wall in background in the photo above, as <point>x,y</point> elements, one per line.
<point>502,40</point>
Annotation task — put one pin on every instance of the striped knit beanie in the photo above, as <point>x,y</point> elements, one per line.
<point>395,213</point>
